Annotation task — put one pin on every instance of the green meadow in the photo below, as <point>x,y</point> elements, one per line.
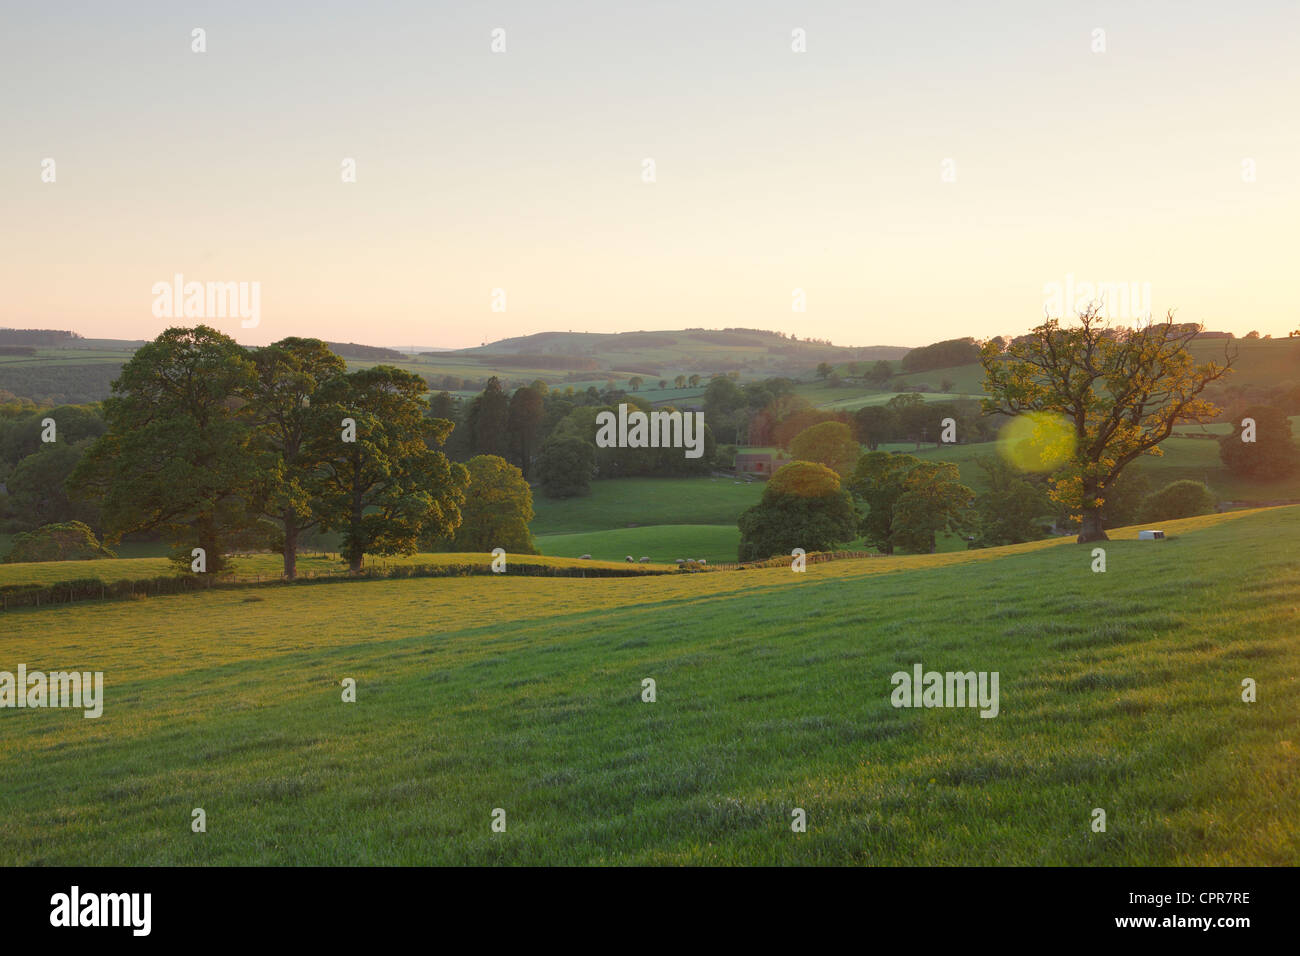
<point>1119,691</point>
<point>632,502</point>
<point>663,543</point>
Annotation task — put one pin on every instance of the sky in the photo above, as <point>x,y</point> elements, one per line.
<point>922,171</point>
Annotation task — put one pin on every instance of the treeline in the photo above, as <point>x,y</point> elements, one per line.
<point>550,435</point>
<point>37,337</point>
<point>946,354</point>
<point>770,413</point>
<point>219,448</point>
<point>367,352</point>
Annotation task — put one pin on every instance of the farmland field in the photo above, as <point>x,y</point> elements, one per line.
<point>627,502</point>
<point>1119,690</point>
<point>663,543</point>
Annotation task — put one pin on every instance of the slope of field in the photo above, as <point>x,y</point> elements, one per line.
<point>968,379</point>
<point>633,502</point>
<point>1256,362</point>
<point>684,348</point>
<point>851,400</point>
<point>1118,690</point>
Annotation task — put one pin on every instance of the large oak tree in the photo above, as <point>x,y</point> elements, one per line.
<point>176,457</point>
<point>391,484</point>
<point>288,373</point>
<point>1121,391</point>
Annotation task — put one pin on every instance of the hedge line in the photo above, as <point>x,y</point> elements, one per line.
<point>93,589</point>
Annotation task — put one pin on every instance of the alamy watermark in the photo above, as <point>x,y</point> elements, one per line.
<point>1125,301</point>
<point>654,430</point>
<point>179,299</point>
<point>922,688</point>
<point>75,908</point>
<point>56,689</point>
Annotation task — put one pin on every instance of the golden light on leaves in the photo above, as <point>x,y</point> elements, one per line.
<point>1037,441</point>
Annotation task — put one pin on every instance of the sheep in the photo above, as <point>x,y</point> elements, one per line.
<point>645,560</point>
<point>584,557</point>
<point>630,559</point>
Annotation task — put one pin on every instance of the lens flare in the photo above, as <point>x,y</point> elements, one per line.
<point>1037,441</point>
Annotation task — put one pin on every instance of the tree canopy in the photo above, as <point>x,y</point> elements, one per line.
<point>908,500</point>
<point>1120,392</point>
<point>803,506</point>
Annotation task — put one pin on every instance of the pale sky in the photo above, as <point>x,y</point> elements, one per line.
<point>522,170</point>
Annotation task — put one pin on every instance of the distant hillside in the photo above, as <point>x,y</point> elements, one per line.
<point>688,350</point>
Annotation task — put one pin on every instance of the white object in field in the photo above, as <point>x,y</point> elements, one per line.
<point>1150,535</point>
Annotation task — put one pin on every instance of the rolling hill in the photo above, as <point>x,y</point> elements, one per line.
<point>1119,691</point>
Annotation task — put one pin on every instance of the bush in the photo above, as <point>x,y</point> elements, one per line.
<point>1179,499</point>
<point>1273,454</point>
<point>803,506</point>
<point>565,467</point>
<point>69,541</point>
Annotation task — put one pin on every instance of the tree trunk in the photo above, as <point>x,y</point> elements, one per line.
<point>356,553</point>
<point>290,545</point>
<point>1090,528</point>
<point>213,560</point>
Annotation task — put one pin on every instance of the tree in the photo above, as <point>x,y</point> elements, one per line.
<point>498,507</point>
<point>1009,511</point>
<point>824,369</point>
<point>37,495</point>
<point>914,419</point>
<point>288,374</point>
<point>663,384</point>
<point>880,373</point>
<point>177,454</point>
<point>909,500</point>
<point>1120,391</point>
<point>1273,453</point>
<point>803,506</point>
<point>67,541</point>
<point>726,408</point>
<point>874,424</point>
<point>830,444</point>
<point>635,383</point>
<point>565,466</point>
<point>680,381</point>
<point>1178,499</point>
<point>73,423</point>
<point>947,354</point>
<point>1124,498</point>
<point>387,486</point>
<point>523,421</point>
<point>443,405</point>
<point>487,420</point>
<point>693,381</point>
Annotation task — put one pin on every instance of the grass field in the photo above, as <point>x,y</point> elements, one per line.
<point>851,402</point>
<point>661,543</point>
<point>1118,690</point>
<point>627,502</point>
<point>269,567</point>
